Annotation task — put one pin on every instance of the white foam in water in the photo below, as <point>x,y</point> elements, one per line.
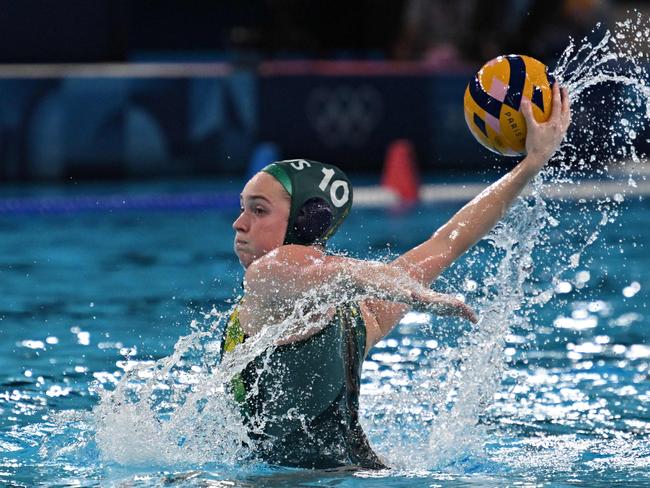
<point>173,411</point>
<point>176,411</point>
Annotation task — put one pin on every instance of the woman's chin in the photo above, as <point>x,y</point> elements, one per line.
<point>245,259</point>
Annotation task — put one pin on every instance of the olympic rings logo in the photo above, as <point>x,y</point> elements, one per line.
<point>344,115</point>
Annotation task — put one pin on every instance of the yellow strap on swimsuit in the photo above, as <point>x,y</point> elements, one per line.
<point>234,337</point>
<point>234,332</point>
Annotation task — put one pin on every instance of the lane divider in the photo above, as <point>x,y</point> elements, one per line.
<point>364,196</point>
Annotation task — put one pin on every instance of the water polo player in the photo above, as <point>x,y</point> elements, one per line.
<point>301,400</point>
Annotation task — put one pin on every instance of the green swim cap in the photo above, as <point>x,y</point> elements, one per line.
<point>321,198</point>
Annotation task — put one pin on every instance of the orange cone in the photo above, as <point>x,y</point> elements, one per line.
<point>400,173</point>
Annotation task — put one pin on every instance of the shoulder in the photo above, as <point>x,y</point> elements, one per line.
<point>283,259</point>
<point>290,271</point>
<point>287,271</point>
<point>295,253</point>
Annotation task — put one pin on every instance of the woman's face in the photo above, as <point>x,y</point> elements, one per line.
<point>262,223</point>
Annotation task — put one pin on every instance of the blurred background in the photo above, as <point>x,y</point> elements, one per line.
<point>117,89</point>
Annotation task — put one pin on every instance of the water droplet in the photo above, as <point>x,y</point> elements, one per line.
<point>583,276</point>
<point>632,289</point>
<point>83,338</point>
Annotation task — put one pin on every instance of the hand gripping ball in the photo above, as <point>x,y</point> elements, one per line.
<point>493,98</point>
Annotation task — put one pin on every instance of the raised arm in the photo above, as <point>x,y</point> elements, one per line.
<point>426,261</point>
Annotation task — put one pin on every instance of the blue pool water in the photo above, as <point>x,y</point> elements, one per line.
<point>87,295</point>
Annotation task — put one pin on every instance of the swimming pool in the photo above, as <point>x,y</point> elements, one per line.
<point>88,294</point>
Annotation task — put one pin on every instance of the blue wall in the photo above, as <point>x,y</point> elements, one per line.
<point>97,127</point>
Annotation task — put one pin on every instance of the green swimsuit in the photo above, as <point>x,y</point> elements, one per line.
<point>301,402</point>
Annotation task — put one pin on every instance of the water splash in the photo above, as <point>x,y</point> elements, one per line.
<point>453,394</point>
<point>178,410</point>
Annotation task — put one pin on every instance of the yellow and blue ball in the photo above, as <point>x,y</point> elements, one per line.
<point>493,99</point>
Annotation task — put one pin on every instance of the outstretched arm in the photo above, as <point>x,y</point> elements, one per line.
<point>426,261</point>
<point>274,282</point>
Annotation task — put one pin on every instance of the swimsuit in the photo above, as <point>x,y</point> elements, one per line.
<point>300,402</point>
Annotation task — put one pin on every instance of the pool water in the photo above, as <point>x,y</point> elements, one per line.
<point>87,295</point>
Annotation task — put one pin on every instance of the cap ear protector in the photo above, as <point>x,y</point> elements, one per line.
<point>313,220</point>
<point>321,197</point>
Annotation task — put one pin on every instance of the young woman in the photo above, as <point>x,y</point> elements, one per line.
<point>300,398</point>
